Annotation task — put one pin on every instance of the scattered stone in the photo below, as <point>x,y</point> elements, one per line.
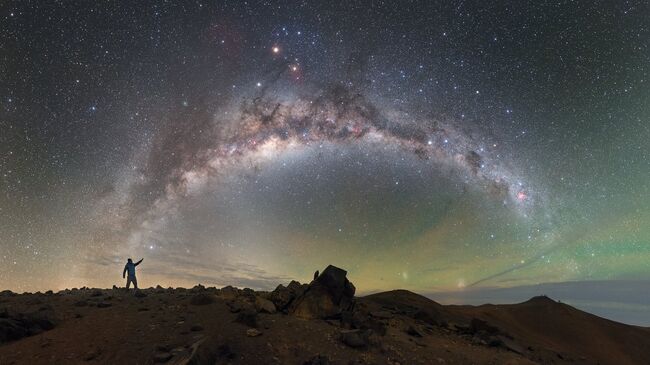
<point>208,351</point>
<point>356,338</point>
<point>414,331</point>
<point>162,357</point>
<point>264,305</point>
<point>360,319</point>
<point>253,332</point>
<point>139,294</point>
<point>511,345</point>
<point>103,305</point>
<point>198,288</point>
<point>202,299</point>
<point>381,314</point>
<point>92,355</point>
<point>478,325</point>
<point>162,348</point>
<point>16,326</point>
<point>318,360</point>
<point>80,303</point>
<point>96,293</point>
<point>247,292</point>
<point>283,296</point>
<point>229,292</point>
<point>428,316</point>
<point>247,317</point>
<point>239,304</point>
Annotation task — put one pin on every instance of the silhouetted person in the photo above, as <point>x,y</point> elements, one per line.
<point>316,275</point>
<point>130,268</point>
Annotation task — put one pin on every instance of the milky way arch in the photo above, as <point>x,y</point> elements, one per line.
<point>201,148</point>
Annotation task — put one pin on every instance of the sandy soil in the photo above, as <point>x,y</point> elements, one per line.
<point>201,326</point>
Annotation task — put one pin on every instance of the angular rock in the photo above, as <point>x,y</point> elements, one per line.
<point>281,297</point>
<point>317,303</point>
<point>511,345</point>
<point>297,288</point>
<point>247,317</point>
<point>239,304</point>
<point>355,338</point>
<point>253,332</point>
<point>264,305</point>
<point>326,297</point>
<point>413,331</point>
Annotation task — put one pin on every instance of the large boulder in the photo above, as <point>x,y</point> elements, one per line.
<point>264,305</point>
<point>325,297</point>
<point>283,296</point>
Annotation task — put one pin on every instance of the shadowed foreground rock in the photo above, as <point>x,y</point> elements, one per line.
<point>14,326</point>
<point>283,296</point>
<point>327,296</point>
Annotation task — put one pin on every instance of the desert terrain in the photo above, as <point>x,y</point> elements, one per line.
<point>322,322</point>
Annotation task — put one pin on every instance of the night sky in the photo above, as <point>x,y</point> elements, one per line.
<point>433,146</point>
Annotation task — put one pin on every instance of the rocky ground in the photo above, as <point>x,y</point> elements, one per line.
<point>317,323</point>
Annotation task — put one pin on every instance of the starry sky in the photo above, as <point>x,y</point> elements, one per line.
<point>435,146</point>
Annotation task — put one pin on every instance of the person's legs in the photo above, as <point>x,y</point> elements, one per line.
<point>135,282</point>
<point>128,282</point>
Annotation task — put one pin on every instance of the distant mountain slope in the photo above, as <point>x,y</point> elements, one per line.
<point>544,323</point>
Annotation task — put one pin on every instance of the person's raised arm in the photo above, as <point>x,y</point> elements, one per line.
<point>138,263</point>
